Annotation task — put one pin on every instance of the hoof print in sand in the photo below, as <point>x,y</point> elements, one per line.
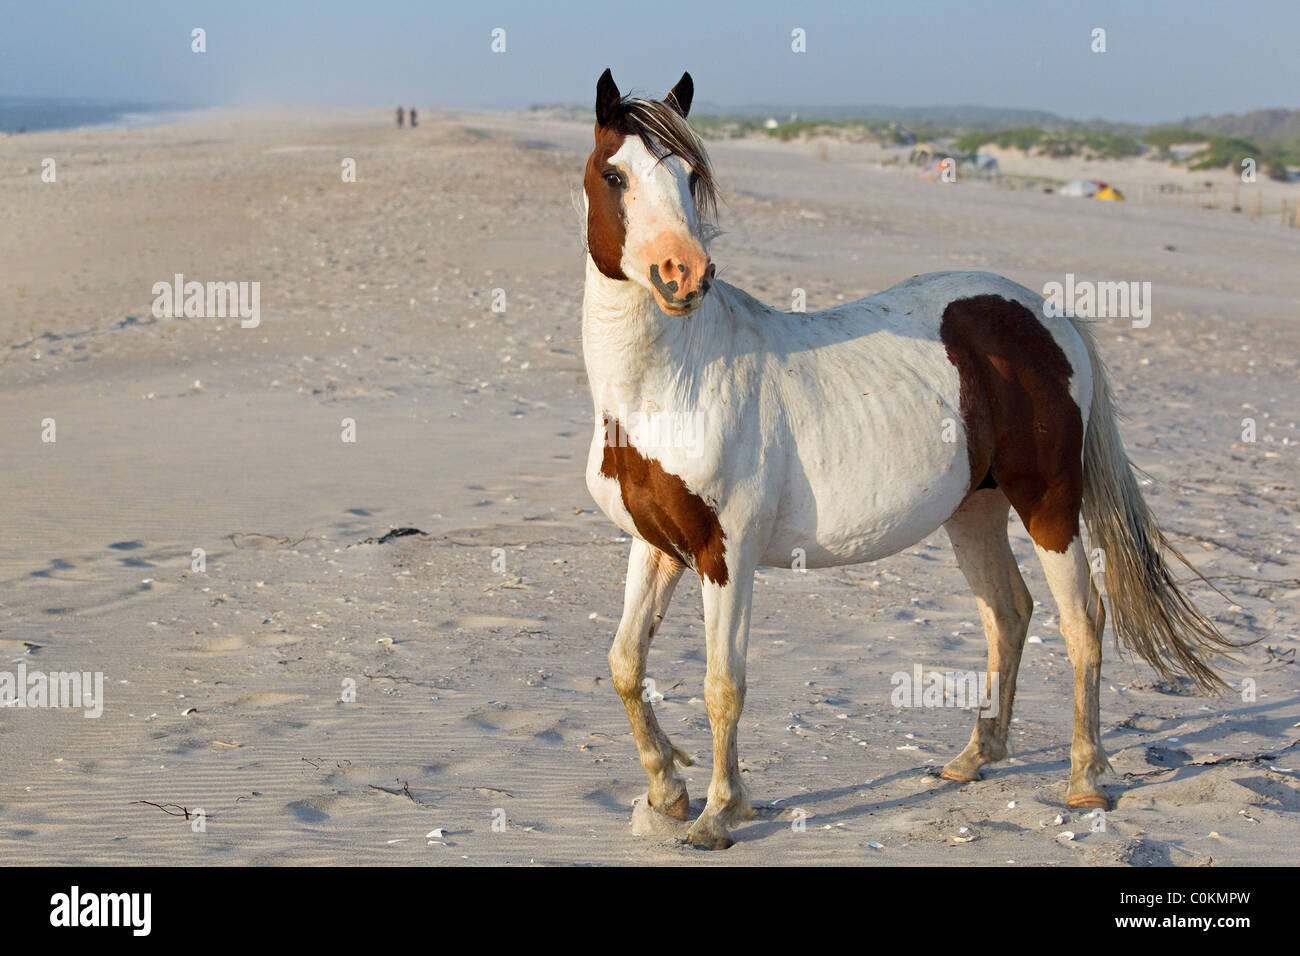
<point>647,821</point>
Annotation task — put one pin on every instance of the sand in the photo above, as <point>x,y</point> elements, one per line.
<point>484,713</point>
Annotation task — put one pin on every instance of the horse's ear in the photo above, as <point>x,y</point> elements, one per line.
<point>680,96</point>
<point>607,99</point>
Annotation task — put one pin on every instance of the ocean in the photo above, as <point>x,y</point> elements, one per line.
<point>22,114</point>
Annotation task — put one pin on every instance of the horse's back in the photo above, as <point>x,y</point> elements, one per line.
<point>993,312</point>
<point>879,395</point>
<point>926,297</point>
<point>934,296</point>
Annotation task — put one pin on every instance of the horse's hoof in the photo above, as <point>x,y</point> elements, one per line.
<point>708,833</point>
<point>707,841</point>
<point>679,809</point>
<point>959,774</point>
<point>1088,800</point>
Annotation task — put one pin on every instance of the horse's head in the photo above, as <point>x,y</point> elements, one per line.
<point>647,185</point>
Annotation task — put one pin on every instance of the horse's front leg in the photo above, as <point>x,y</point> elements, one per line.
<point>726,622</point>
<point>652,576</point>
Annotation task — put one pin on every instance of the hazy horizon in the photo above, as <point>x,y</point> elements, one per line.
<point>1163,62</point>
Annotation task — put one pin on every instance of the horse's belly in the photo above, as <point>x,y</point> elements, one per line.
<point>848,512</point>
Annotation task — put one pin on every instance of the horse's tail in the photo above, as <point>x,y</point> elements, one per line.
<point>1151,615</point>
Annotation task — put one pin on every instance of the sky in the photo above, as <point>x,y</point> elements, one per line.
<point>1164,60</point>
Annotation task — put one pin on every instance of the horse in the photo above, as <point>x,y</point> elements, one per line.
<point>729,435</point>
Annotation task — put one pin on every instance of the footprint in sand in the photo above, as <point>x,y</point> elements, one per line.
<point>522,723</point>
<point>508,720</point>
<point>311,810</point>
<point>224,645</point>
<point>269,699</point>
<point>490,621</point>
<point>14,649</point>
<point>57,564</point>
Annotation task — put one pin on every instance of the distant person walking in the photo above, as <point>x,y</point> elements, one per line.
<point>401,118</point>
<point>413,124</point>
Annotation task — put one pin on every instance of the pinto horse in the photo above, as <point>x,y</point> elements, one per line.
<point>729,435</point>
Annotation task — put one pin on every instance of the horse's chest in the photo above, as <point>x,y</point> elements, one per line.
<point>663,510</point>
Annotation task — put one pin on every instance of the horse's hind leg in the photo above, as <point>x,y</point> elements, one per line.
<point>652,576</point>
<point>978,532</point>
<point>1083,619</point>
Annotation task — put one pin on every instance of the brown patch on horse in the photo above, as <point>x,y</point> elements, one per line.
<point>1023,428</point>
<point>606,226</point>
<point>667,514</point>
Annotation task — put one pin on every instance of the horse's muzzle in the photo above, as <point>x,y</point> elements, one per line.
<point>679,287</point>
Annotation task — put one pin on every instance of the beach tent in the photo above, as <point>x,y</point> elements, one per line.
<point>1081,189</point>
<point>1092,189</point>
<point>922,153</point>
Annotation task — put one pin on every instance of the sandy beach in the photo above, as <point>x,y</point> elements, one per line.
<point>443,698</point>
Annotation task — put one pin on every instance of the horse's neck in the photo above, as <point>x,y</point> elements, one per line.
<point>630,346</point>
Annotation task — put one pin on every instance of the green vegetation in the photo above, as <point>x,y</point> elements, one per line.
<point>1023,139</point>
<point>1088,141</point>
<point>887,133</point>
<point>1055,143</point>
<point>1172,136</point>
<point>799,129</point>
<point>725,127</point>
<point>1228,151</point>
<point>1225,151</point>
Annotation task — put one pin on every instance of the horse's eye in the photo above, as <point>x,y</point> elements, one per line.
<point>614,179</point>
